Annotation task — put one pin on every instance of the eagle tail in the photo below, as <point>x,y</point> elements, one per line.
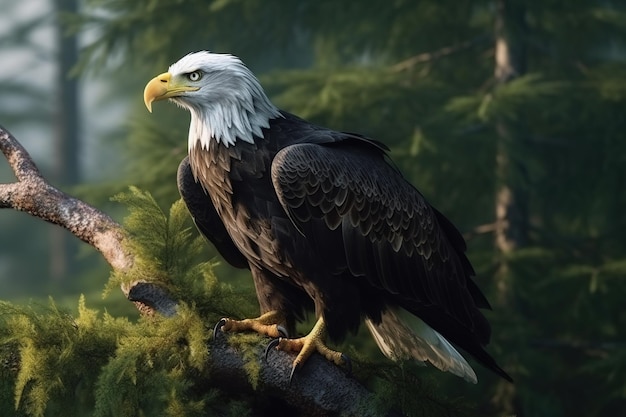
<point>401,335</point>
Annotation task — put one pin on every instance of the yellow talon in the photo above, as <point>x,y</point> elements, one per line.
<point>268,324</point>
<point>313,342</point>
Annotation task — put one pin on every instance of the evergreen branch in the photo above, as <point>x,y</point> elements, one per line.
<point>591,348</point>
<point>439,53</point>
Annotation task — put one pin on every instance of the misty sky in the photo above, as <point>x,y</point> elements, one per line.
<point>30,62</point>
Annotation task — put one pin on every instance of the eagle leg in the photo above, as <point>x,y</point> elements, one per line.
<point>305,346</point>
<point>267,324</point>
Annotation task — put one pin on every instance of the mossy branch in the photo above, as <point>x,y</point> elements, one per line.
<point>31,193</point>
<point>319,389</point>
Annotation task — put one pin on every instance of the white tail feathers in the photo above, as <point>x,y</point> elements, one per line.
<point>401,335</point>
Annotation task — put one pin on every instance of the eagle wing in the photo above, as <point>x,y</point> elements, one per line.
<point>205,216</point>
<point>391,236</point>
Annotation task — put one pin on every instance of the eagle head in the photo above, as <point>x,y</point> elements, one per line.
<point>225,99</point>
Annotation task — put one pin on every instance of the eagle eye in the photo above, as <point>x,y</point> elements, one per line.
<point>195,75</point>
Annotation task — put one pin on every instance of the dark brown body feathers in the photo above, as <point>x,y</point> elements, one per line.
<point>324,221</point>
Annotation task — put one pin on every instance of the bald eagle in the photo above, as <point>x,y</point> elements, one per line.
<point>324,222</point>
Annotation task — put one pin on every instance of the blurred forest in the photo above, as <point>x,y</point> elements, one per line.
<point>509,116</point>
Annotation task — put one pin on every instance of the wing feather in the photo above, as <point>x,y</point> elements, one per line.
<point>391,236</point>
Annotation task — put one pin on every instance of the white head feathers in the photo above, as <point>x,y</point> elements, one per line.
<point>229,104</point>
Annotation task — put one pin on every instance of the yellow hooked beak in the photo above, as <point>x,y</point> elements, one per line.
<point>162,87</point>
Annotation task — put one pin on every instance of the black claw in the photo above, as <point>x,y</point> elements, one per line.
<point>293,371</point>
<point>347,363</point>
<point>273,343</point>
<point>282,331</point>
<point>218,326</point>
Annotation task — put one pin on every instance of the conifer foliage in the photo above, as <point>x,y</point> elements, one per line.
<point>54,362</point>
<point>57,363</point>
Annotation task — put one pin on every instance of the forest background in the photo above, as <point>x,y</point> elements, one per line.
<point>509,116</point>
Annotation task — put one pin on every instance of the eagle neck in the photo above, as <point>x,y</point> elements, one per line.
<point>227,123</point>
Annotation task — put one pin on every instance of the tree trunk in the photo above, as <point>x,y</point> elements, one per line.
<point>511,194</point>
<point>66,142</point>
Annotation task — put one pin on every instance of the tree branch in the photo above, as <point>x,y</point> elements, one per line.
<point>439,53</point>
<point>318,389</point>
<point>34,195</point>
<point>479,230</point>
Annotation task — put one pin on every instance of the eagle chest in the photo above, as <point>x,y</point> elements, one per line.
<point>237,180</point>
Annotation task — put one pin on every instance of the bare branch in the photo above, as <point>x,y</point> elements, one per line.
<point>480,230</point>
<point>20,161</point>
<point>34,195</point>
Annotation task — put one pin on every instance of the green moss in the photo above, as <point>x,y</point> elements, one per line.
<point>248,345</point>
